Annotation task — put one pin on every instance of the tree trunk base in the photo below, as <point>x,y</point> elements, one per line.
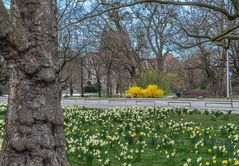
<point>34,134</point>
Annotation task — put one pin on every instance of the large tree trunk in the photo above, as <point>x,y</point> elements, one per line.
<point>160,62</point>
<point>34,134</point>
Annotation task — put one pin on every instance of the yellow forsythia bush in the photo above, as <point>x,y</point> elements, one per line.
<point>152,91</point>
<point>135,91</point>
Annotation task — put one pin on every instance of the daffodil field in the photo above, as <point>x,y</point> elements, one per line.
<point>140,136</point>
<point>151,136</point>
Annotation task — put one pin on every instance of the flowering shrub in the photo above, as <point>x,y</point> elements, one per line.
<point>135,91</point>
<point>151,91</point>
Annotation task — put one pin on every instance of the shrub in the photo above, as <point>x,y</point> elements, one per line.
<point>135,91</point>
<point>148,77</point>
<point>165,80</point>
<point>151,91</point>
<point>194,93</point>
<point>90,89</point>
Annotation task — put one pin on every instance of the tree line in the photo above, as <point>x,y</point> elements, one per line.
<point>129,38</point>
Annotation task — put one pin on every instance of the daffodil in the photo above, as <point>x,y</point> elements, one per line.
<point>236,162</point>
<point>207,163</point>
<point>225,162</point>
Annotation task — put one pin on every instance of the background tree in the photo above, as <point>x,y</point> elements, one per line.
<point>158,24</point>
<point>93,64</point>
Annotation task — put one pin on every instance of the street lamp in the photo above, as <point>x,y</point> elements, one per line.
<point>228,76</point>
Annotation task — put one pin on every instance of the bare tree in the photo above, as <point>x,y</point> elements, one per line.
<point>93,64</point>
<point>157,21</point>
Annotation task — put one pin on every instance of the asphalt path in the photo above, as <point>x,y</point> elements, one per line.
<point>199,104</point>
<point>109,103</point>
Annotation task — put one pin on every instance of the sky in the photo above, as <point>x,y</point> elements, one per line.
<point>7,3</point>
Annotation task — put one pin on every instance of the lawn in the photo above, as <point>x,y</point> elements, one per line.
<point>140,136</point>
<point>151,137</point>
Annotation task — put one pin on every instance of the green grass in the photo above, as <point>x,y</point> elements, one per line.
<point>109,122</point>
<point>153,130</point>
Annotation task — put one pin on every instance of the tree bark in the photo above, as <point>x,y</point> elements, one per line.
<point>98,86</point>
<point>160,62</point>
<point>71,88</point>
<point>34,134</point>
<point>82,77</point>
<point>108,84</point>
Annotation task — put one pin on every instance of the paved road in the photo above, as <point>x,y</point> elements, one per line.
<point>106,103</point>
<point>200,104</point>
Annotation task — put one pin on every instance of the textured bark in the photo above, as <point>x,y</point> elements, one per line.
<point>160,62</point>
<point>81,78</point>
<point>108,84</point>
<point>98,86</point>
<point>34,134</point>
<point>71,88</point>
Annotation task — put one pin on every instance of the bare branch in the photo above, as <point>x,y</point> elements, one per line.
<point>196,4</point>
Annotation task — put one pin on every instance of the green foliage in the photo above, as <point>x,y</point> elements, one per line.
<point>166,81</point>
<point>3,109</point>
<point>90,88</point>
